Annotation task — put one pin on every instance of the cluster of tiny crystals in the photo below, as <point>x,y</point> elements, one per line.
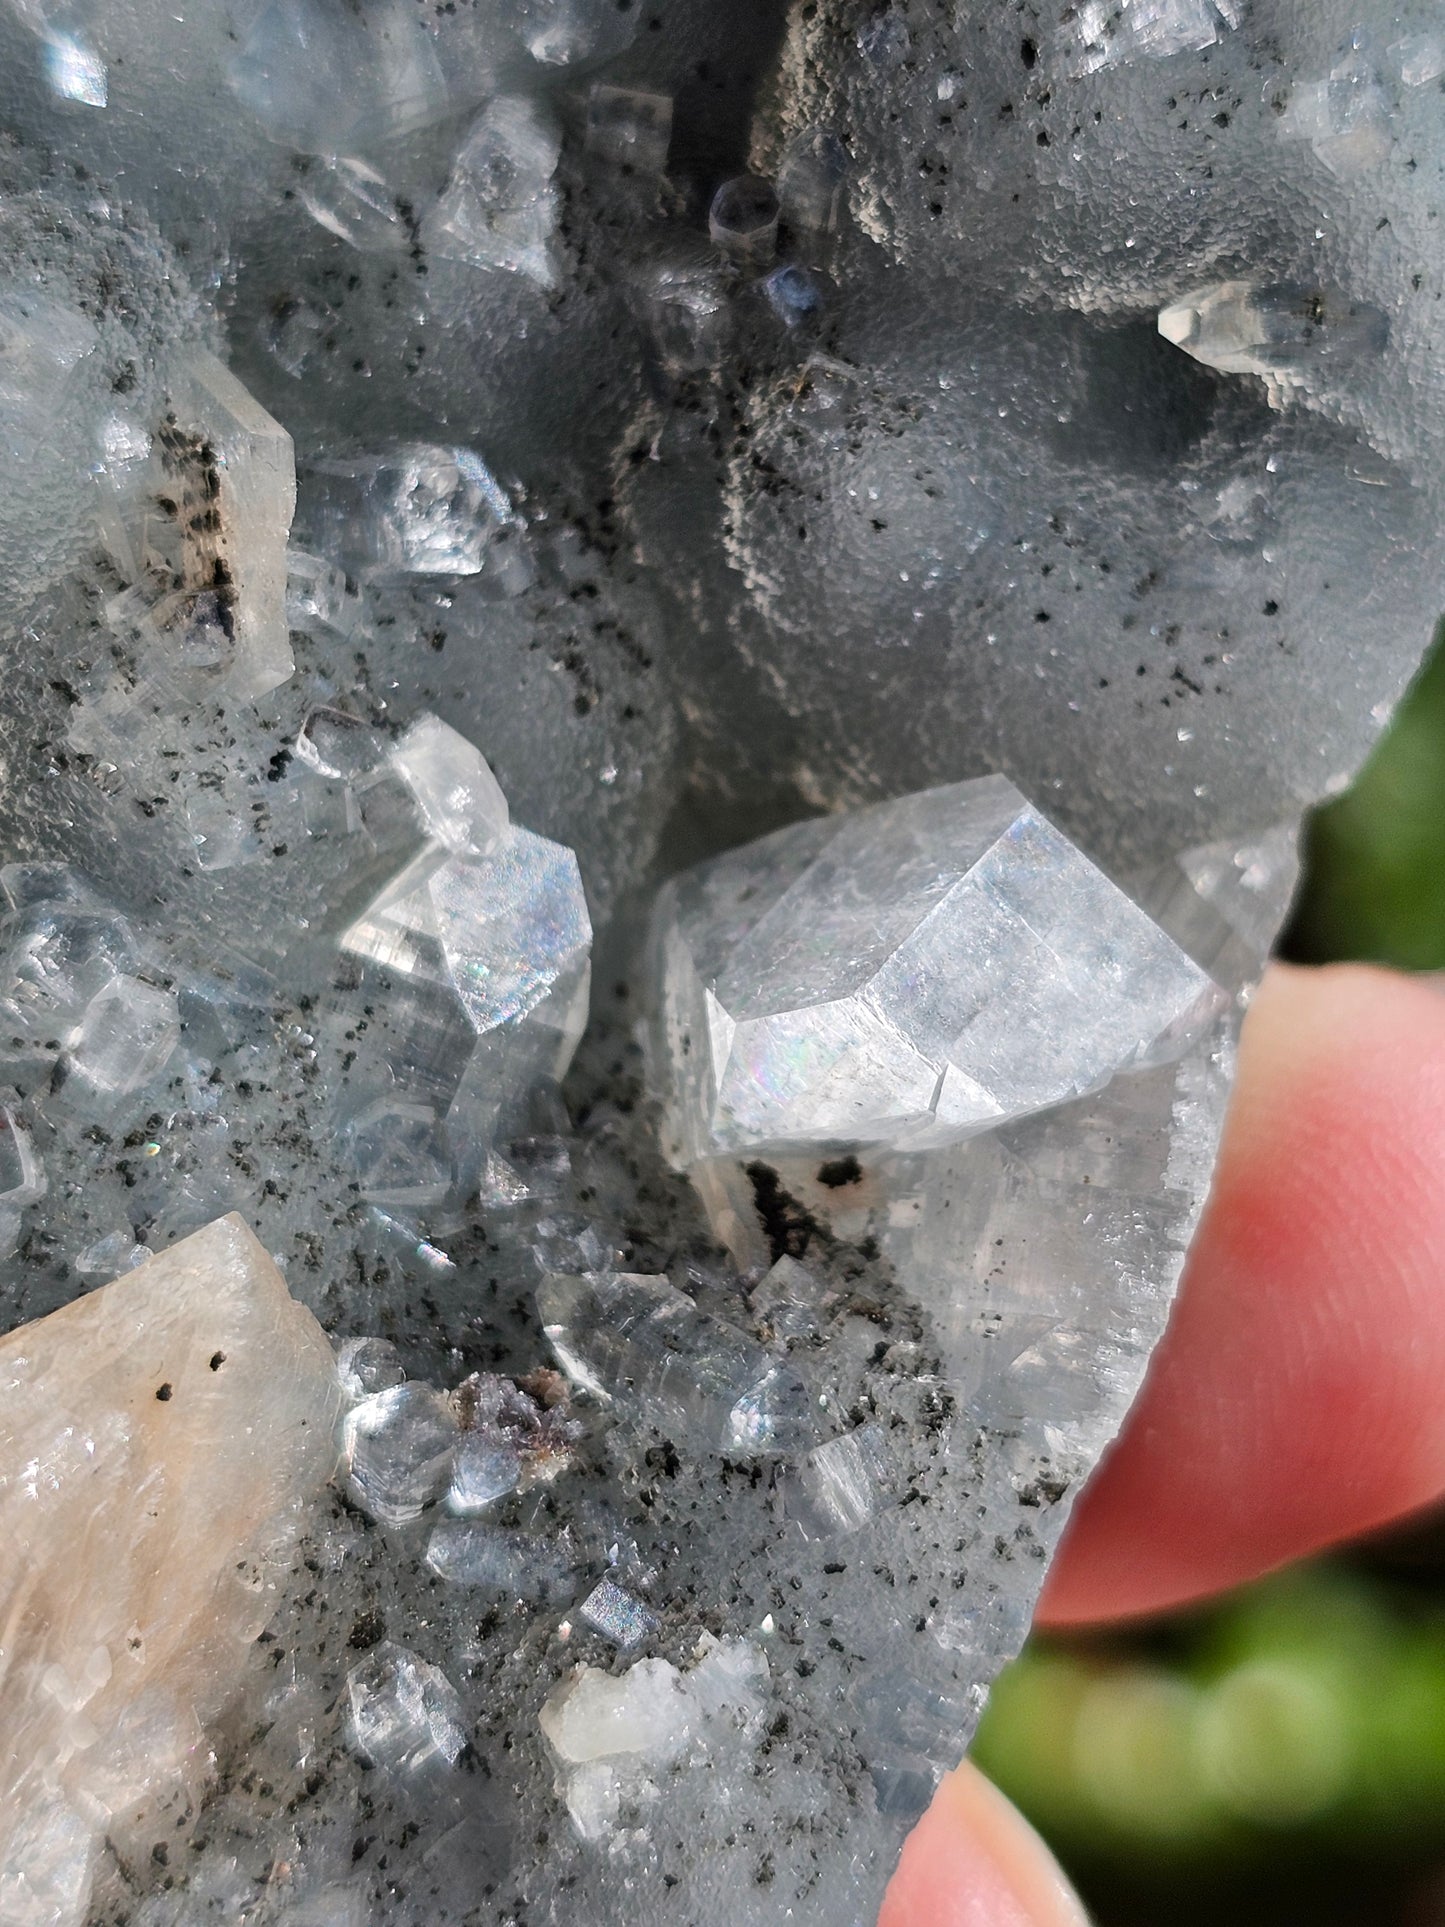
<point>661,665</point>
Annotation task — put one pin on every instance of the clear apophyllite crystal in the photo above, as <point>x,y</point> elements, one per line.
<point>1111,34</point>
<point>232,477</point>
<point>629,128</point>
<point>524,1565</point>
<point>486,1468</point>
<point>810,180</point>
<point>405,1712</point>
<point>645,1346</point>
<point>1282,331</point>
<point>22,1175</point>
<point>743,219</point>
<point>499,209</point>
<point>181,1415</point>
<point>42,341</point>
<point>1345,116</point>
<point>561,32</point>
<point>353,200</point>
<point>613,1611</point>
<point>418,509</point>
<point>460,799</point>
<point>327,80</point>
<point>125,1037</point>
<point>838,1487</point>
<point>905,977</point>
<point>488,965</point>
<point>57,951</point>
<point>366,1365</point>
<point>399,1445</point>
<point>398,1154</point>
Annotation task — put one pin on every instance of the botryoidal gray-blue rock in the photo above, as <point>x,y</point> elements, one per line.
<point>661,666</point>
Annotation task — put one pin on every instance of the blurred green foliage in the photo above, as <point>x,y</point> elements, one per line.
<point>1374,858</point>
<point>1306,1712</point>
<point>1273,1757</point>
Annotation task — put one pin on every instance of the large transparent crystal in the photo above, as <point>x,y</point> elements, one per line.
<point>904,977</point>
<point>158,1440</point>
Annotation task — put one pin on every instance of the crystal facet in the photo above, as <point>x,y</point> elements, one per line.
<point>399,1445</point>
<point>237,478</point>
<point>417,510</point>
<point>405,1713</point>
<point>701,1382</point>
<point>159,1438</point>
<point>499,209</point>
<point>906,976</point>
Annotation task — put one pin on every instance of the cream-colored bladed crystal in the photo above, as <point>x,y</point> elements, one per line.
<point>158,1439</point>
<point>234,470</point>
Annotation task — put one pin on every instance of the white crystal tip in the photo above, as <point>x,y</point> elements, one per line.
<point>1179,323</point>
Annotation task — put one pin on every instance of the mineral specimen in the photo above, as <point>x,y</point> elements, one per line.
<point>404,1712</point>
<point>702,1383</point>
<point>724,438</point>
<point>906,977</point>
<point>157,1442</point>
<point>230,468</point>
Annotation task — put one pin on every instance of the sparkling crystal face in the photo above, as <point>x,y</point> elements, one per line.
<point>486,970</point>
<point>907,977</point>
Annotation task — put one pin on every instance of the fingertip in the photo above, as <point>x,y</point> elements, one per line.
<point>1294,1399</point>
<point>974,1861</point>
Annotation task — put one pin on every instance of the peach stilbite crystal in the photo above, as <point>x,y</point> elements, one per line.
<point>158,1440</point>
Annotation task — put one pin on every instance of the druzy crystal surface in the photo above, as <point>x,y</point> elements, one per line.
<point>907,507</point>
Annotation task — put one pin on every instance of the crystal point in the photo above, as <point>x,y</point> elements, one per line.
<point>235,466</point>
<point>641,1343</point>
<point>907,976</point>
